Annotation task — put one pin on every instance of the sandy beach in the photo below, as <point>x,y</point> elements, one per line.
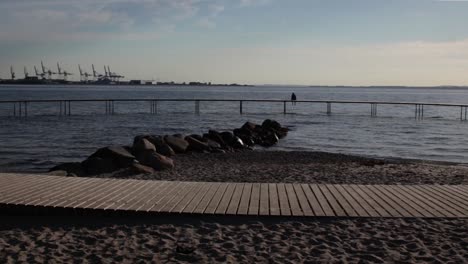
<point>197,239</point>
<point>98,240</point>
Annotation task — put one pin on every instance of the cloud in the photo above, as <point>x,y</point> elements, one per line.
<point>44,20</point>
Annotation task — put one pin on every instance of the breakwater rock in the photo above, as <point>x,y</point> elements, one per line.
<point>151,153</point>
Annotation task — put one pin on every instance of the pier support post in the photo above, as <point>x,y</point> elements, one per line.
<point>463,113</point>
<point>25,109</point>
<point>419,111</point>
<point>14,109</point>
<point>154,107</point>
<point>328,108</point>
<point>69,108</point>
<point>284,107</point>
<point>240,107</point>
<point>197,107</point>
<point>373,109</point>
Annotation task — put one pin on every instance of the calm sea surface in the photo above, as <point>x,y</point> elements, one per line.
<point>44,139</point>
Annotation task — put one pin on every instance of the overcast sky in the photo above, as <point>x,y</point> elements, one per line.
<point>329,42</point>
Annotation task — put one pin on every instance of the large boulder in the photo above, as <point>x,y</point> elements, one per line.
<point>179,145</point>
<point>197,145</point>
<point>228,137</point>
<point>215,136</point>
<point>237,143</point>
<point>161,146</point>
<point>157,161</point>
<point>142,147</point>
<point>96,165</point>
<point>249,126</point>
<point>120,156</point>
<point>271,124</point>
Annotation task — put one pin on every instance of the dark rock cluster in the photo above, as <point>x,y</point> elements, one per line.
<point>150,153</point>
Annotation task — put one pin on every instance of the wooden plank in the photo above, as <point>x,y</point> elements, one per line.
<point>211,208</point>
<point>409,205</point>
<point>235,200</point>
<point>38,190</point>
<point>20,195</point>
<point>122,198</point>
<point>179,208</point>
<point>192,205</point>
<point>444,199</point>
<point>224,203</point>
<point>254,203</point>
<point>303,202</point>
<point>293,202</point>
<point>264,200</point>
<point>429,211</point>
<point>448,195</point>
<point>245,200</point>
<point>183,192</point>
<point>80,197</point>
<point>170,195</point>
<point>458,190</point>
<point>274,200</point>
<point>355,201</point>
<point>283,200</point>
<point>441,207</point>
<point>63,194</point>
<point>143,193</point>
<point>375,202</point>
<point>207,198</point>
<point>95,202</point>
<point>317,201</point>
<point>345,204</point>
<point>395,202</point>
<point>10,185</point>
<point>155,196</point>
<point>462,196</point>
<point>332,201</point>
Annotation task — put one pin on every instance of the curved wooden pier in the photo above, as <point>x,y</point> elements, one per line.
<point>49,194</point>
<point>20,107</point>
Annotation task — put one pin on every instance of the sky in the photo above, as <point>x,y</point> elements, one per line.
<point>303,42</point>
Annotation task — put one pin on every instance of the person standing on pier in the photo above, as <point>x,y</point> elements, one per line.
<point>293,99</point>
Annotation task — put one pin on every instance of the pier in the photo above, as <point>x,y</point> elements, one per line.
<point>19,108</point>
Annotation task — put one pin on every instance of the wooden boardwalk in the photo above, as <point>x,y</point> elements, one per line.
<point>255,199</point>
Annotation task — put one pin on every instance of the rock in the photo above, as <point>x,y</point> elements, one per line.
<point>71,168</point>
<point>197,145</point>
<point>118,155</point>
<point>271,124</point>
<point>227,137</point>
<point>96,165</point>
<point>237,143</point>
<point>161,146</point>
<point>158,161</point>
<point>179,145</point>
<point>246,136</point>
<point>198,137</point>
<point>137,168</point>
<point>270,140</point>
<point>143,145</point>
<point>249,126</point>
<point>215,136</point>
<point>212,144</point>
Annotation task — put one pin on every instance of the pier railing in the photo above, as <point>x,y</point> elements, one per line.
<point>20,107</point>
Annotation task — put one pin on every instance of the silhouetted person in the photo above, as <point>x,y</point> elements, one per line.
<point>293,98</point>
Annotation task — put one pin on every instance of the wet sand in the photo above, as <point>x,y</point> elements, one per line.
<point>306,167</point>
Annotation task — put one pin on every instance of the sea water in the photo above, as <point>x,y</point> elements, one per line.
<point>44,139</point>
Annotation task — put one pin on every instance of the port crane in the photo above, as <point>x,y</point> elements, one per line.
<point>42,75</point>
<point>26,74</point>
<point>46,71</point>
<point>64,73</point>
<point>12,72</point>
<point>84,75</point>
